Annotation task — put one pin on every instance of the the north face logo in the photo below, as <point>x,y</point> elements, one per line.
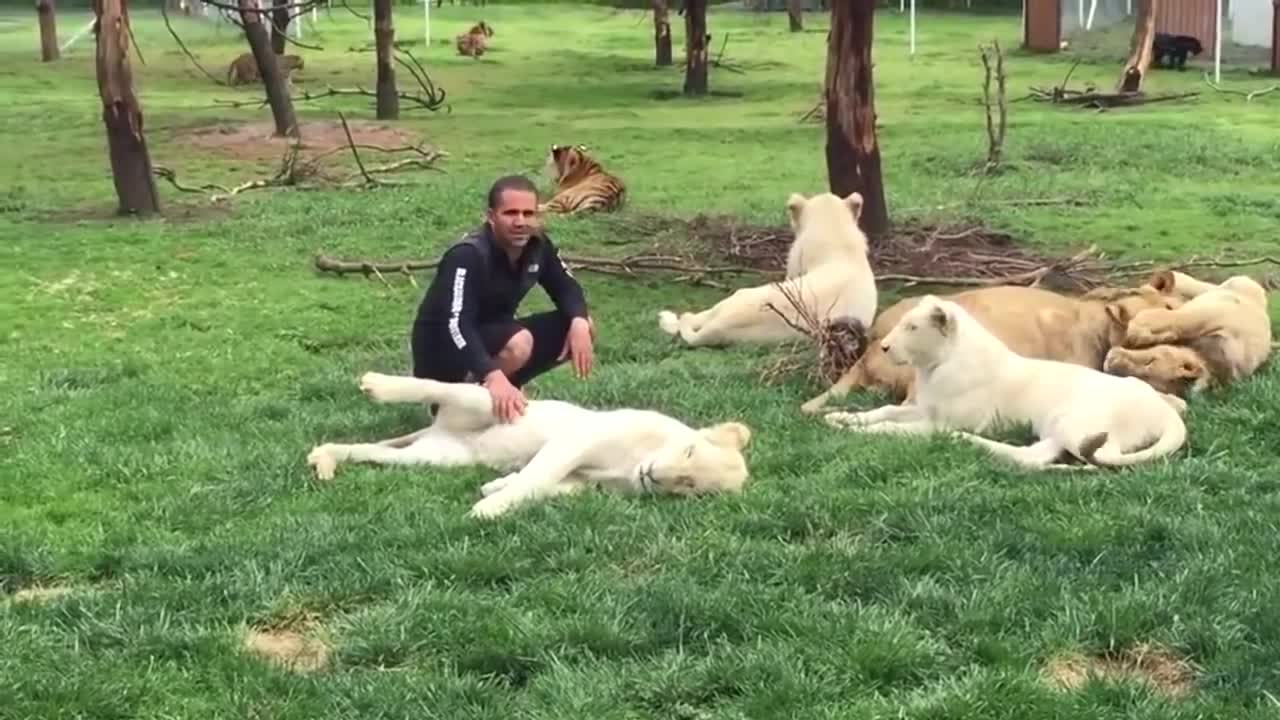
<point>533,267</point>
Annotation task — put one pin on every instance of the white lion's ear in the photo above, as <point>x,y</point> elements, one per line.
<point>729,434</point>
<point>854,201</point>
<point>795,204</point>
<point>940,317</point>
<point>1163,281</point>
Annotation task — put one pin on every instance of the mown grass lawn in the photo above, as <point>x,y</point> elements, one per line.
<point>163,381</point>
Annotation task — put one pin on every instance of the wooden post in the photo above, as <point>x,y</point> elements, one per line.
<point>1275,37</point>
<point>853,155</point>
<point>48,31</point>
<point>121,113</point>
<point>795,15</point>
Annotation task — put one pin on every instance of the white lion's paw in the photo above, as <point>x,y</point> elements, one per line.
<point>494,486</point>
<point>490,507</point>
<point>668,322</point>
<point>378,387</point>
<point>323,461</point>
<point>814,406</point>
<point>847,420</point>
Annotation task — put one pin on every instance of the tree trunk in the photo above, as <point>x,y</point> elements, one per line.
<point>795,15</point>
<point>1275,38</point>
<point>279,25</point>
<point>48,31</point>
<point>121,114</point>
<point>1144,33</point>
<point>269,69</point>
<point>853,156</point>
<point>384,35</point>
<point>695,47</point>
<point>661,34</point>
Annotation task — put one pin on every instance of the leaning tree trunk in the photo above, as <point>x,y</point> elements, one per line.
<point>853,156</point>
<point>272,79</point>
<point>695,47</point>
<point>121,113</point>
<point>48,31</point>
<point>795,15</point>
<point>384,35</point>
<point>661,34</point>
<point>279,25</point>
<point>1144,33</point>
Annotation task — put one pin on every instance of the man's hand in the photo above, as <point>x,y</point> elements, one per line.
<point>577,345</point>
<point>508,402</point>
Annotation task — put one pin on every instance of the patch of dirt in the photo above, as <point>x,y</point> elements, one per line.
<point>923,254</point>
<point>256,141</point>
<point>288,642</point>
<point>1159,669</point>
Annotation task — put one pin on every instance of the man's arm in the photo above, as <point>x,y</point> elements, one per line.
<point>563,289</point>
<point>460,270</point>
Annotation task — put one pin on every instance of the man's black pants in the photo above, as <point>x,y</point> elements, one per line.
<point>432,346</point>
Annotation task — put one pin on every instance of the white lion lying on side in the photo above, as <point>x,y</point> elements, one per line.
<point>967,380</point>
<point>555,448</point>
<point>827,272</point>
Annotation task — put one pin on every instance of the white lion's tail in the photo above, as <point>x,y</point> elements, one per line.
<point>1172,436</point>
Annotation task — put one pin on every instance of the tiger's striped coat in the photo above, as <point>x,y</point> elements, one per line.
<point>581,183</point>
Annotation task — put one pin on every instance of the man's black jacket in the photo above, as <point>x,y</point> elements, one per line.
<point>476,284</point>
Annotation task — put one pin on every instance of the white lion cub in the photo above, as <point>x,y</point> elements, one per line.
<point>827,272</point>
<point>967,380</point>
<point>555,448</point>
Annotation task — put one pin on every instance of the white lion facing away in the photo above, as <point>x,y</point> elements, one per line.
<point>967,381</point>
<point>555,448</point>
<point>827,272</point>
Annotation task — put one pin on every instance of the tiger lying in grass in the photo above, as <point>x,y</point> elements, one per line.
<point>581,183</point>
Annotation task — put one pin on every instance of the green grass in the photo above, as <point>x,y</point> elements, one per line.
<point>163,381</point>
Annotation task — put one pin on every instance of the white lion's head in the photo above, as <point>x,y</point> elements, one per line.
<point>826,229</point>
<point>922,334</point>
<point>709,461</point>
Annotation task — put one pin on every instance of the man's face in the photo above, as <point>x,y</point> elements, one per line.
<point>515,218</point>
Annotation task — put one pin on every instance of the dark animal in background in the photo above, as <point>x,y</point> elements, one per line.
<point>1176,48</point>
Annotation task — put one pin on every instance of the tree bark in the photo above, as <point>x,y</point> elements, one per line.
<point>695,47</point>
<point>48,31</point>
<point>853,155</point>
<point>384,35</point>
<point>661,34</point>
<point>1275,38</point>
<point>795,15</point>
<point>121,113</point>
<point>255,32</point>
<point>279,25</point>
<point>1144,33</point>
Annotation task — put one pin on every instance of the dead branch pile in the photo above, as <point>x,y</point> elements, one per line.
<point>1091,97</point>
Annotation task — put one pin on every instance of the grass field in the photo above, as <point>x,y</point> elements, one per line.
<point>163,381</point>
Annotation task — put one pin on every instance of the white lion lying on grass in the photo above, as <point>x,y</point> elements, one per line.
<point>555,448</point>
<point>968,380</point>
<point>827,272</point>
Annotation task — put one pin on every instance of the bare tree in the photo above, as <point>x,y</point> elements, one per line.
<point>853,155</point>
<point>121,113</point>
<point>695,47</point>
<point>280,26</point>
<point>661,34</point>
<point>268,68</point>
<point>795,15</point>
<point>384,34</point>
<point>48,31</point>
<point>1144,33</point>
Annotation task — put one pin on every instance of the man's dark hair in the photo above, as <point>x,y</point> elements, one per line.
<point>510,182</point>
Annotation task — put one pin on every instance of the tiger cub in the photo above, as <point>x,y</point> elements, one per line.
<point>474,41</point>
<point>244,69</point>
<point>581,183</point>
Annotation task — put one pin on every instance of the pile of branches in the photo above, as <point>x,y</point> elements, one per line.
<point>294,171</point>
<point>429,96</point>
<point>1090,97</point>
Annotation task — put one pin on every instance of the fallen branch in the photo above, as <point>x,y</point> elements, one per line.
<point>1248,96</point>
<point>723,64</point>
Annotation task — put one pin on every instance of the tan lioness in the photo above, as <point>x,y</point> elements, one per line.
<point>1222,333</point>
<point>1032,322</point>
